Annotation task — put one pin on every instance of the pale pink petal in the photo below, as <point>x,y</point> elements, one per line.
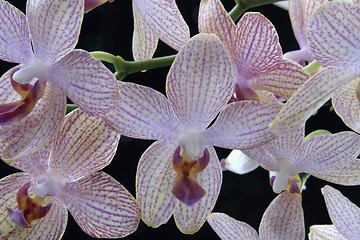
<point>309,97</point>
<point>200,81</point>
<point>154,181</point>
<point>86,81</point>
<point>144,40</point>
<point>15,40</point>
<point>343,213</point>
<point>55,27</point>
<point>283,81</point>
<point>319,154</point>
<point>325,232</point>
<point>347,104</point>
<point>283,219</point>
<point>229,228</point>
<point>165,20</point>
<point>239,163</point>
<point>333,34</point>
<point>189,219</point>
<point>345,174</point>
<point>83,145</point>
<point>52,226</point>
<point>101,206</point>
<point>300,12</point>
<point>91,4</point>
<point>143,113</point>
<point>262,156</point>
<point>213,18</point>
<point>29,134</point>
<point>243,124</point>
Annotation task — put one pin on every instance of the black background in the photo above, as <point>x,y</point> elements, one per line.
<point>109,28</point>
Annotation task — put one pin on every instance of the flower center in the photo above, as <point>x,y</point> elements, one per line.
<point>286,172</point>
<point>36,69</point>
<point>48,185</point>
<point>186,188</point>
<point>29,209</point>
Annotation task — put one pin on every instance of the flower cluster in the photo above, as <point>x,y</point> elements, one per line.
<point>230,86</point>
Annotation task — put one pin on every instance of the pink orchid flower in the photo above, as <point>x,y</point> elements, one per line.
<point>180,173</point>
<point>343,214</point>
<point>336,46</point>
<point>256,55</point>
<point>91,4</point>
<point>63,176</point>
<point>154,20</point>
<point>32,94</point>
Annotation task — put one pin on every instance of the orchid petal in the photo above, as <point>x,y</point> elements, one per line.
<point>200,81</point>
<point>229,228</point>
<point>309,97</point>
<point>7,93</point>
<point>300,12</point>
<point>347,104</point>
<point>243,124</point>
<point>36,129</point>
<point>190,219</point>
<point>283,219</point>
<point>213,18</point>
<point>333,34</point>
<point>86,81</point>
<point>54,26</point>
<point>282,81</point>
<point>325,232</point>
<point>56,217</point>
<point>346,174</point>
<point>144,40</point>
<point>83,145</point>
<point>343,213</point>
<point>91,4</point>
<point>154,181</point>
<point>143,113</point>
<point>15,39</point>
<point>165,20</point>
<point>321,153</point>
<point>239,163</point>
<point>101,206</point>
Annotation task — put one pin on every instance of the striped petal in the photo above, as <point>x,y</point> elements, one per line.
<point>86,81</point>
<point>325,232</point>
<point>101,206</point>
<point>15,39</point>
<point>31,133</point>
<point>343,213</point>
<point>52,226</point>
<point>309,97</point>
<point>143,113</point>
<point>83,145</point>
<point>333,34</point>
<point>144,40</point>
<point>155,178</point>
<point>200,81</point>
<point>283,219</point>
<point>239,163</point>
<point>190,219</point>
<point>320,154</point>
<point>165,20</point>
<point>213,18</point>
<point>243,124</point>
<point>55,27</point>
<point>229,228</point>
<point>347,104</point>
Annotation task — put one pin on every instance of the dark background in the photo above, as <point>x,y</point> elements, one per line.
<point>109,28</point>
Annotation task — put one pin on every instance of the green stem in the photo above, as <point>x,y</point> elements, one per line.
<point>242,5</point>
<point>311,67</point>
<point>70,107</point>
<point>303,177</point>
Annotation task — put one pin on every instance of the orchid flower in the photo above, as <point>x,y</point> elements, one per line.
<point>180,173</point>
<point>300,12</point>
<point>43,43</point>
<point>91,4</point>
<point>61,176</point>
<point>239,163</point>
<point>282,220</point>
<point>331,157</point>
<point>256,55</point>
<point>154,19</point>
<point>336,46</point>
<point>343,214</point>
